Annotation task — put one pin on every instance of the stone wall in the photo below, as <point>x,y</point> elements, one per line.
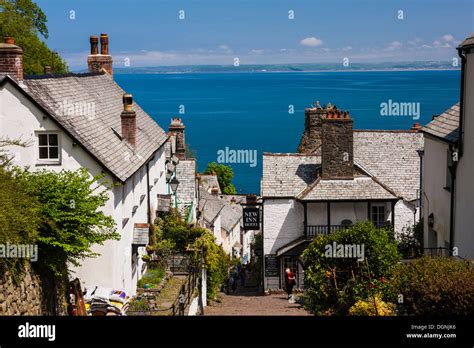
<point>310,142</point>
<point>32,294</point>
<point>337,148</point>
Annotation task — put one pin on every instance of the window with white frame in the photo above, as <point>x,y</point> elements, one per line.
<point>378,214</point>
<point>49,150</point>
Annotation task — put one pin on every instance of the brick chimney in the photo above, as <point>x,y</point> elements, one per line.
<point>11,59</point>
<point>97,62</point>
<point>311,138</point>
<point>128,119</point>
<point>337,145</point>
<point>176,128</point>
<point>416,127</point>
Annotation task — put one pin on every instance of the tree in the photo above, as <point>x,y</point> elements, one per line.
<point>225,174</point>
<point>25,21</point>
<point>214,259</point>
<point>71,219</point>
<point>335,284</point>
<point>19,217</point>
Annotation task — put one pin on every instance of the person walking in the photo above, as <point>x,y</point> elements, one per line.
<point>243,270</point>
<point>233,277</point>
<point>290,282</point>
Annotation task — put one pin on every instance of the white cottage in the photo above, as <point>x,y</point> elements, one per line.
<point>448,170</point>
<point>340,176</point>
<point>222,214</point>
<point>86,120</point>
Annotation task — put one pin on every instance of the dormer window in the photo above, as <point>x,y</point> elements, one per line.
<point>48,148</point>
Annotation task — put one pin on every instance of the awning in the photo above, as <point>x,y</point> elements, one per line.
<point>294,248</point>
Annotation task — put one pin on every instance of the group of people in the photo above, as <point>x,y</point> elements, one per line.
<point>240,271</point>
<point>237,273</point>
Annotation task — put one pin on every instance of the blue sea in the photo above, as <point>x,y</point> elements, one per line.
<point>250,111</point>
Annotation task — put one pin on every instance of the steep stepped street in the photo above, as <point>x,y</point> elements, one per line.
<point>248,300</point>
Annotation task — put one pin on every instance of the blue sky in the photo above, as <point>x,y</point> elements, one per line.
<point>150,33</point>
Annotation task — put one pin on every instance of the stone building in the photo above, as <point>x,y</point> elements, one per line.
<point>338,177</point>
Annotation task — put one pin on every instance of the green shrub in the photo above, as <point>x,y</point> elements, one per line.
<point>371,307</point>
<point>139,305</point>
<point>410,241</point>
<point>71,217</point>
<point>19,218</point>
<point>435,286</point>
<point>174,229</point>
<point>335,284</point>
<point>215,260</point>
<point>152,277</point>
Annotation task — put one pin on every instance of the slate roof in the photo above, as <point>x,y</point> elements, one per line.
<point>392,158</point>
<point>361,188</point>
<point>468,42</point>
<point>389,157</point>
<point>231,215</point>
<point>287,174</point>
<point>207,182</point>
<point>445,126</point>
<point>186,175</point>
<point>98,133</point>
<point>211,206</point>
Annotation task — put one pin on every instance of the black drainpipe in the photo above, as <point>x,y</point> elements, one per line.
<point>421,153</point>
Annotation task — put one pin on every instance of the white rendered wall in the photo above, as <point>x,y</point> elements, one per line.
<point>436,200</point>
<point>20,119</point>
<point>464,216</point>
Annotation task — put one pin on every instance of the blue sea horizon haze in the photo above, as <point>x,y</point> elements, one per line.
<point>252,111</point>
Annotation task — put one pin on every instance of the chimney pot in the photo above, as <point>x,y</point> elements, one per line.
<point>104,44</point>
<point>94,40</point>
<point>127,100</point>
<point>48,70</point>
<point>416,126</point>
<point>9,40</point>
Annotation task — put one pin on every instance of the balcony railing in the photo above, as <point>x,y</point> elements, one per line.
<point>313,230</point>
